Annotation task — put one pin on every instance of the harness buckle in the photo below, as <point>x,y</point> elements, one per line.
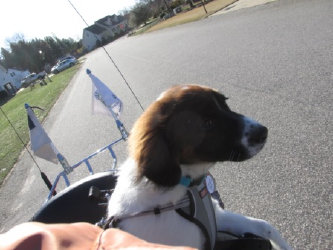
<point>111,222</point>
<point>157,210</point>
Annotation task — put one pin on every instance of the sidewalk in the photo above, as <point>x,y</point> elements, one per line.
<point>240,4</point>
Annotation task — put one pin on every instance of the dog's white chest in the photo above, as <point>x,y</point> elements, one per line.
<point>166,228</point>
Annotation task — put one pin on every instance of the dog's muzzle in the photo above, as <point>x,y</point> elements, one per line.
<point>254,136</point>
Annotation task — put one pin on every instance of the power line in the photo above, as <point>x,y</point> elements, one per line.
<point>113,62</point>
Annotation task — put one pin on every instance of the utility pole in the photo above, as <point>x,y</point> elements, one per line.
<point>168,8</point>
<point>203,4</point>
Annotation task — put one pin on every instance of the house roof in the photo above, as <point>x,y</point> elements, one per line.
<point>95,29</point>
<point>110,20</point>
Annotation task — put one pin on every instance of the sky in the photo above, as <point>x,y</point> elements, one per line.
<point>41,18</point>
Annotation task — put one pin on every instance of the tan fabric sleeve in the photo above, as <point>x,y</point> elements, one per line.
<point>39,236</point>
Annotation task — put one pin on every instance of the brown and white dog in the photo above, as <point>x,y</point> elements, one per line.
<point>183,133</point>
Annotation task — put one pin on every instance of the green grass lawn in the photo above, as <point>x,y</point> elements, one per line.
<point>192,15</point>
<point>42,96</point>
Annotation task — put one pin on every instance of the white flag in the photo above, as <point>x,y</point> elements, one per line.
<point>41,144</point>
<point>104,100</point>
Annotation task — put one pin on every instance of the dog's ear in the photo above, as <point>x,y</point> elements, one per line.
<point>157,162</point>
<point>150,148</point>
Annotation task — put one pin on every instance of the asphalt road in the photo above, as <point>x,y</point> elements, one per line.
<point>273,61</point>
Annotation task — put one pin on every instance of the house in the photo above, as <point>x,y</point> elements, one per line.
<point>103,31</point>
<point>10,80</point>
<point>115,24</point>
<point>92,35</point>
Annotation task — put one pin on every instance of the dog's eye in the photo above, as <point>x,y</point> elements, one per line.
<point>208,124</point>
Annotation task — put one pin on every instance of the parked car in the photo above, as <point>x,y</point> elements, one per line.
<point>67,63</point>
<point>41,75</point>
<point>64,58</point>
<point>26,81</point>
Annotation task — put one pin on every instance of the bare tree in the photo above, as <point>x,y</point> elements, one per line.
<point>140,13</point>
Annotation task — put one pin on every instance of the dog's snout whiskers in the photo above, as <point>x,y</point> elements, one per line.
<point>232,155</point>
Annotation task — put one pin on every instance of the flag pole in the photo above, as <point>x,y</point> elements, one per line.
<point>119,124</point>
<point>63,161</point>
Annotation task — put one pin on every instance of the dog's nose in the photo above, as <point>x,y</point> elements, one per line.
<point>258,134</point>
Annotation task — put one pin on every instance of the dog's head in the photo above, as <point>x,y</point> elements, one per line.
<point>191,124</point>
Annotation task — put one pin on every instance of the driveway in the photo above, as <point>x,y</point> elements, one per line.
<point>241,4</point>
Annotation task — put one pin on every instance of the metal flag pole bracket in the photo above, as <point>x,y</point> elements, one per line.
<point>64,163</point>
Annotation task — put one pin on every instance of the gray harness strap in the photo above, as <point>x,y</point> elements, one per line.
<point>201,212</point>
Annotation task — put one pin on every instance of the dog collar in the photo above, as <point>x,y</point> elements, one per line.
<point>209,180</point>
<point>185,181</point>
